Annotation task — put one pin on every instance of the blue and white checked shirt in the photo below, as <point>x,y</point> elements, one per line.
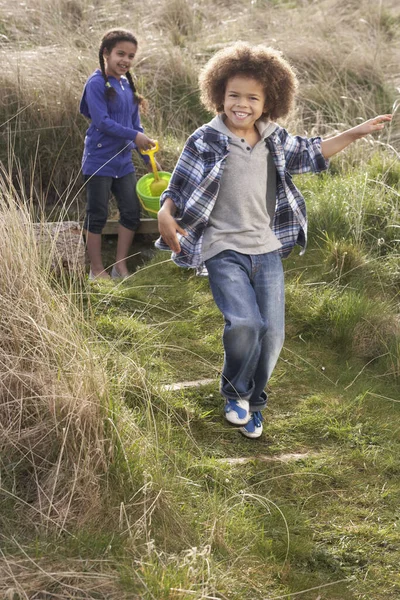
<point>196,178</point>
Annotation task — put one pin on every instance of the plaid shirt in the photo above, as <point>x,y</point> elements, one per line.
<point>195,183</point>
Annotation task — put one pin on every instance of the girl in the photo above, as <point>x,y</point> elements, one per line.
<point>240,211</point>
<point>111,102</point>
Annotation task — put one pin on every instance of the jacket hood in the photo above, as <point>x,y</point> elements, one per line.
<point>83,106</point>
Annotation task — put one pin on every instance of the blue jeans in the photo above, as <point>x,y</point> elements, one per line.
<point>98,191</point>
<point>249,291</point>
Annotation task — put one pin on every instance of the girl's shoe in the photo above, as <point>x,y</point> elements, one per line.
<point>254,428</point>
<point>115,274</point>
<point>93,277</point>
<point>237,411</point>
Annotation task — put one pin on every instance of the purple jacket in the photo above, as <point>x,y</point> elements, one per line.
<point>115,123</point>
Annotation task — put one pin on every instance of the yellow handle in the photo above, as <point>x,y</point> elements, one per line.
<point>155,148</point>
<point>150,153</point>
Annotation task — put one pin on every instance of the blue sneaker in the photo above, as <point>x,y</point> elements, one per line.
<point>237,411</point>
<point>254,428</point>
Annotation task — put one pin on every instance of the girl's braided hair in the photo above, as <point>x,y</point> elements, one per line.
<point>108,41</point>
<point>261,63</point>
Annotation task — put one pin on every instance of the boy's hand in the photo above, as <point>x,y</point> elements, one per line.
<point>168,228</point>
<point>143,142</point>
<point>372,125</point>
<point>335,144</point>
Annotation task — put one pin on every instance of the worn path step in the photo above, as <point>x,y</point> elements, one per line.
<point>291,456</point>
<point>172,387</point>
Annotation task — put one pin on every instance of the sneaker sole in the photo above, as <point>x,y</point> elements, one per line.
<point>252,436</point>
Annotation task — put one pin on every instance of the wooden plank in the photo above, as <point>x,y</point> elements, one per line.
<point>63,243</point>
<point>147,226</point>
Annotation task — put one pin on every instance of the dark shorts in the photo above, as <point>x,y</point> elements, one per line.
<point>98,192</point>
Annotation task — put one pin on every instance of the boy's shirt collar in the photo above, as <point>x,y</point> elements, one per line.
<point>265,127</point>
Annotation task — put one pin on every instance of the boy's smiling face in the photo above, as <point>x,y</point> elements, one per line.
<point>244,103</point>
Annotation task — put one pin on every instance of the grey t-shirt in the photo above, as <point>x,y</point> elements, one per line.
<point>241,217</point>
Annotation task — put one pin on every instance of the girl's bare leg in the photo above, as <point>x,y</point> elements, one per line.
<point>125,239</point>
<point>93,245</point>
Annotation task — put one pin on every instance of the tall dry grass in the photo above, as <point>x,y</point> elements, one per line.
<point>23,577</point>
<point>346,55</point>
<point>53,445</point>
<point>72,457</point>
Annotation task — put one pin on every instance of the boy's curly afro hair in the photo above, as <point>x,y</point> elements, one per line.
<point>264,64</point>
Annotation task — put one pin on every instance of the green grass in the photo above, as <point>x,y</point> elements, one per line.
<point>268,526</point>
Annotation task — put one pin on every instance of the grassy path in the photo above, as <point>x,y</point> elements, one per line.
<point>312,505</point>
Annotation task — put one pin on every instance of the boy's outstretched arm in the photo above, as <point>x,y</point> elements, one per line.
<point>337,143</point>
<point>168,227</point>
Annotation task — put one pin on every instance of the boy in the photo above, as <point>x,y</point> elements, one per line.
<point>240,212</point>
